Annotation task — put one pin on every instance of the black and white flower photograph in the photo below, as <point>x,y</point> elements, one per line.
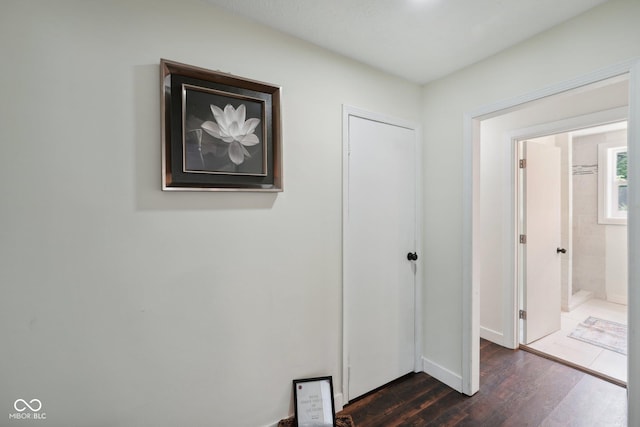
<point>223,135</point>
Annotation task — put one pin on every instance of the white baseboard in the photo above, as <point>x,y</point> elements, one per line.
<point>338,402</point>
<point>491,335</point>
<point>617,299</point>
<point>442,374</point>
<point>578,298</point>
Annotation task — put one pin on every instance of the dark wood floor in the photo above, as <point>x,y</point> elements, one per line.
<point>516,389</point>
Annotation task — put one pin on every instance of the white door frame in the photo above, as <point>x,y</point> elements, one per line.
<point>511,331</point>
<point>470,228</point>
<point>348,111</point>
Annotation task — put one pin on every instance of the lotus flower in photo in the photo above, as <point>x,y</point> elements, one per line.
<point>232,127</point>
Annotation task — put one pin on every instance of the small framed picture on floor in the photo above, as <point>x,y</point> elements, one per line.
<point>313,401</point>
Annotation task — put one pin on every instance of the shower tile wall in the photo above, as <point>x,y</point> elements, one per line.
<point>589,237</point>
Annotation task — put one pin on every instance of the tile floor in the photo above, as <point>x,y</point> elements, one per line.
<point>581,353</point>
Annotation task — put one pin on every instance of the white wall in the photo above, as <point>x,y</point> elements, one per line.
<point>599,250</point>
<point>123,305</point>
<point>616,264</point>
<point>603,36</point>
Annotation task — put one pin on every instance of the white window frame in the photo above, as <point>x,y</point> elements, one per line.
<point>608,183</point>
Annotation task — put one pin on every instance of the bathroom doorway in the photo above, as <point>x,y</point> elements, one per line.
<point>591,332</point>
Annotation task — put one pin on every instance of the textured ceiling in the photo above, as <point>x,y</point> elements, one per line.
<point>420,40</point>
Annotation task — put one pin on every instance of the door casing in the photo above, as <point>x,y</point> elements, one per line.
<point>512,296</point>
<point>471,164</point>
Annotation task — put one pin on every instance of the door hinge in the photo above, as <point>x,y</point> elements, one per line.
<point>523,238</point>
<point>523,163</point>
<point>522,315</point>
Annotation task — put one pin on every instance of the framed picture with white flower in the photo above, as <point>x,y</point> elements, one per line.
<point>220,132</point>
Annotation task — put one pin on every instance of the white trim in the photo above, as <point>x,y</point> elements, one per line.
<point>442,374</point>
<point>510,139</point>
<point>513,104</point>
<point>571,124</point>
<point>418,328</point>
<point>491,335</point>
<point>470,286</point>
<point>348,111</point>
<point>617,299</point>
<point>607,184</point>
<point>633,233</point>
<point>338,402</point>
<point>345,197</point>
<point>470,273</point>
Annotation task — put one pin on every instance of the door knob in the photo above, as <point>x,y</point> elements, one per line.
<point>561,250</point>
<point>412,256</point>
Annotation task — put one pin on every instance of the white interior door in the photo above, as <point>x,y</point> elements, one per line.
<point>379,232</point>
<point>542,219</point>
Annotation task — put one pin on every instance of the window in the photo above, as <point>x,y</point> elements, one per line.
<point>612,179</point>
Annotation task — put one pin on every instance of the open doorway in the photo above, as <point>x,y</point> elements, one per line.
<point>495,243</point>
<point>492,236</point>
<point>496,233</point>
<point>586,323</point>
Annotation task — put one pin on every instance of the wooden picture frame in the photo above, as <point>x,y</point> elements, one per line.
<point>219,132</point>
<point>313,402</point>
